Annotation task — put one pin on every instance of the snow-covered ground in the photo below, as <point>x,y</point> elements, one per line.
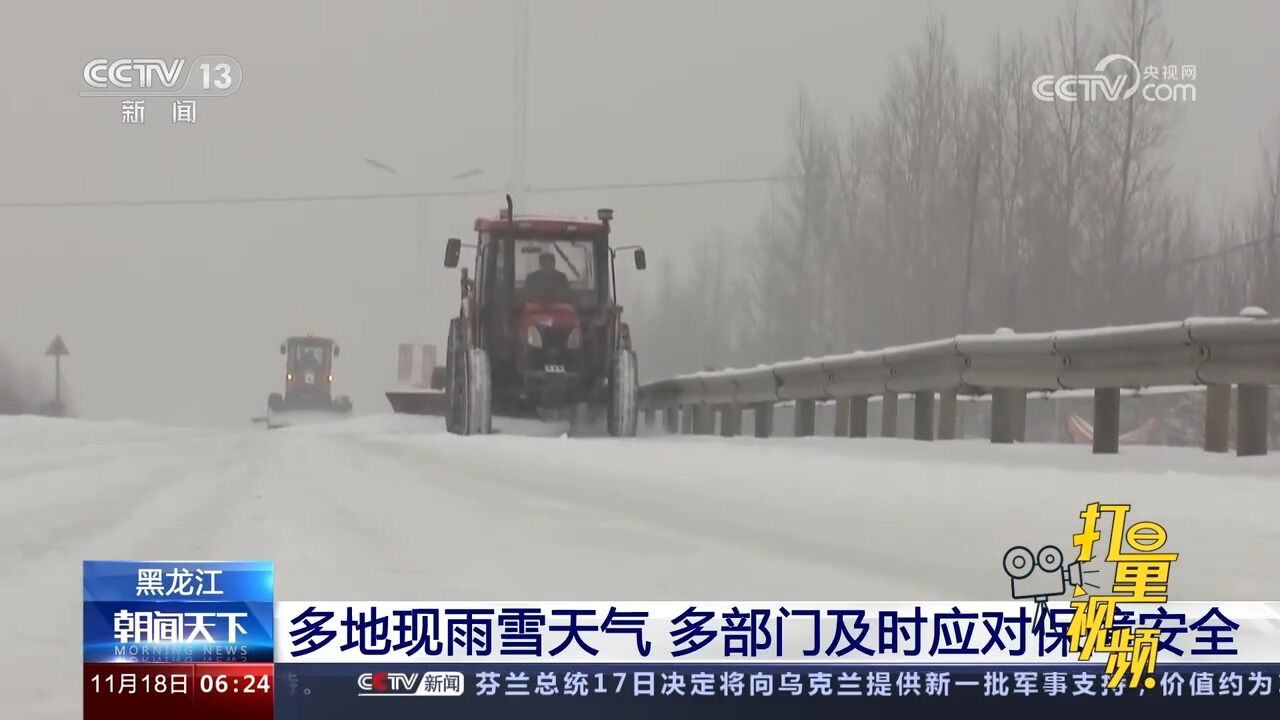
<point>389,507</point>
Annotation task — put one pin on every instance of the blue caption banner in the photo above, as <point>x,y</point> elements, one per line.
<point>178,612</point>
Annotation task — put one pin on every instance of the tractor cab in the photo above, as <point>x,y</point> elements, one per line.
<point>544,300</point>
<point>308,364</point>
<point>542,306</point>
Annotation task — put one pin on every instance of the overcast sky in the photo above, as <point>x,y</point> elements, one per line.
<point>174,313</point>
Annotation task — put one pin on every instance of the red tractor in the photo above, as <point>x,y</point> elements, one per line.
<point>540,332</point>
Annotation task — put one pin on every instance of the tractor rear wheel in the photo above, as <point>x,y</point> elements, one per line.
<point>624,382</point>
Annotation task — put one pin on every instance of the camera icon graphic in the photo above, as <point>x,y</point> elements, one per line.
<point>1041,575</point>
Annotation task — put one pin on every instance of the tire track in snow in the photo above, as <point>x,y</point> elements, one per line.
<point>134,526</point>
<point>129,490</point>
<point>668,546</point>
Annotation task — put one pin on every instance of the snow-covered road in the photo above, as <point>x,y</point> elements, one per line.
<point>388,507</point>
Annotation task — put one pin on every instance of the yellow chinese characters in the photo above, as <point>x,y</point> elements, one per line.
<point>1141,576</point>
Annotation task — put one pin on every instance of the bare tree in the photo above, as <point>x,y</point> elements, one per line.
<point>1068,47</point>
<point>1267,220</point>
<point>1131,133</point>
<point>1015,124</point>
<point>919,118</point>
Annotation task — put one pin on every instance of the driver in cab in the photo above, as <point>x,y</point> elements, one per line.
<point>547,282</point>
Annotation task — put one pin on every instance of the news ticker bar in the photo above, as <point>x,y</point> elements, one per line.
<point>391,692</point>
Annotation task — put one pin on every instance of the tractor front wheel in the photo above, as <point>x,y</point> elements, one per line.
<point>624,381</point>
<point>479,401</point>
<point>455,380</point>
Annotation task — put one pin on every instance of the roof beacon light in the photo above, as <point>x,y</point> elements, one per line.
<point>605,215</point>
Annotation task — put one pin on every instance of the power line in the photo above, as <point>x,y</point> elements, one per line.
<point>1225,251</point>
<point>664,184</point>
<point>409,195</point>
<point>412,195</point>
<point>246,200</point>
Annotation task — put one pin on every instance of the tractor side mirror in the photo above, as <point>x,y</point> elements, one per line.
<point>336,349</point>
<point>641,263</point>
<point>282,349</point>
<point>452,252</point>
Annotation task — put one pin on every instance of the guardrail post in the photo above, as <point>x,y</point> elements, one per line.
<point>858,416</point>
<point>762,413</point>
<point>730,420</point>
<point>924,416</point>
<point>704,419</point>
<point>889,415</point>
<point>1019,405</point>
<point>1251,420</point>
<point>686,419</point>
<point>947,414</point>
<point>1002,412</point>
<point>1106,421</point>
<point>1217,418</point>
<point>842,417</point>
<point>806,417</point>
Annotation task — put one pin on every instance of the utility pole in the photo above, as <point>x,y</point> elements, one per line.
<point>520,97</point>
<point>421,288</point>
<point>419,243</point>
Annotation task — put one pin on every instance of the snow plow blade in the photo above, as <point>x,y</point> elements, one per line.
<point>419,402</point>
<point>290,418</point>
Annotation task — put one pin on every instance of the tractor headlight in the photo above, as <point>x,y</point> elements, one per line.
<point>533,337</point>
<point>575,339</point>
<point>288,376</point>
<point>330,378</point>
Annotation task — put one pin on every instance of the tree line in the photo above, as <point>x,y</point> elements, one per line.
<point>963,204</point>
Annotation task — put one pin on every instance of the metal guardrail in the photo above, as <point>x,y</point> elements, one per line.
<point>1214,351</point>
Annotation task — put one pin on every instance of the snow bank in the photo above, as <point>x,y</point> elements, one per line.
<point>391,507</point>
